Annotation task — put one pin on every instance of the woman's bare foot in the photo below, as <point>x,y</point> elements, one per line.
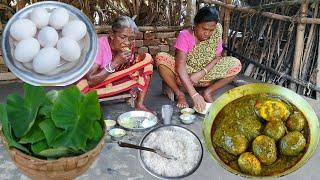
<point>182,102</point>
<point>141,107</point>
<point>208,97</point>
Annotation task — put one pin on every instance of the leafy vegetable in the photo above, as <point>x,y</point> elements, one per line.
<point>22,112</point>
<point>57,124</point>
<point>50,98</point>
<point>50,130</point>
<point>76,116</point>
<point>34,135</point>
<point>39,146</point>
<point>95,131</point>
<point>54,153</point>
<point>6,129</point>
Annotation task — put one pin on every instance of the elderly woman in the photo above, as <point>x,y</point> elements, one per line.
<point>116,70</point>
<point>198,61</point>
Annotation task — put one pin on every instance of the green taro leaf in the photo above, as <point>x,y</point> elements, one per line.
<point>55,153</point>
<point>91,144</point>
<point>96,131</point>
<point>50,98</point>
<point>52,95</point>
<point>50,131</point>
<point>6,129</point>
<point>22,112</point>
<point>39,146</point>
<point>46,108</point>
<point>75,113</point>
<point>34,135</point>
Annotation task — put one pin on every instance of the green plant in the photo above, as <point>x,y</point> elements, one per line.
<point>54,124</point>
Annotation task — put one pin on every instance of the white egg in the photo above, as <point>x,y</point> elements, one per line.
<point>26,50</point>
<point>48,37</point>
<point>23,29</point>
<point>28,65</point>
<point>69,49</point>
<point>58,18</point>
<point>46,60</point>
<point>75,29</point>
<point>40,17</point>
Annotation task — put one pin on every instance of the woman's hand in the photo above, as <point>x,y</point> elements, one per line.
<point>195,77</point>
<point>198,102</point>
<point>96,75</point>
<point>121,58</point>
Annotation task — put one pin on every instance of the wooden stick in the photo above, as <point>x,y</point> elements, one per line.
<point>309,47</point>
<point>299,46</point>
<point>234,34</point>
<point>318,67</point>
<point>264,49</point>
<point>226,24</point>
<point>277,4</point>
<point>191,11</point>
<point>250,68</point>
<point>7,76</point>
<point>265,14</point>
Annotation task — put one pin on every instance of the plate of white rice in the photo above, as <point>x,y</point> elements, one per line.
<point>175,141</point>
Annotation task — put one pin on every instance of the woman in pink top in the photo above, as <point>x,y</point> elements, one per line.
<point>116,70</point>
<point>198,61</point>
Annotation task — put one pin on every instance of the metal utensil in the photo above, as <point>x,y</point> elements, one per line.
<point>166,112</point>
<point>157,151</point>
<point>179,129</point>
<point>136,120</point>
<point>64,74</point>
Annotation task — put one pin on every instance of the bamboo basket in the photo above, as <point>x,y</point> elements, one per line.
<point>62,169</point>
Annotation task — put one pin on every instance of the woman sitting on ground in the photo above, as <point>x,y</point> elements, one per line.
<point>198,61</point>
<point>115,69</point>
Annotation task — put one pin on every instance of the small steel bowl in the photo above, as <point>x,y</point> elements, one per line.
<point>110,124</point>
<point>187,111</point>
<point>69,73</point>
<point>117,133</point>
<point>187,118</point>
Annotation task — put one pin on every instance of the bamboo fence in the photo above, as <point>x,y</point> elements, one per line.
<point>277,41</point>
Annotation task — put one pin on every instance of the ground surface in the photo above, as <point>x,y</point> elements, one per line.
<point>120,163</point>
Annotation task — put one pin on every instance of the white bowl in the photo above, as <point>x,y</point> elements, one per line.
<point>187,118</point>
<point>117,133</point>
<point>187,111</point>
<point>110,123</point>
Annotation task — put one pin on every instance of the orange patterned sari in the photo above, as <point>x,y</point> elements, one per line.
<point>132,79</point>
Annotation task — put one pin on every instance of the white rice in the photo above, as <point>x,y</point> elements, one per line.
<point>174,142</point>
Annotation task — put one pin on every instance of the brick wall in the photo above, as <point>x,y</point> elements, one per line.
<point>153,41</point>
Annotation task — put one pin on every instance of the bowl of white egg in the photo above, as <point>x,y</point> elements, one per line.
<point>49,43</point>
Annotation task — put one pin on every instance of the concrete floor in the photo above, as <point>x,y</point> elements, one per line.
<point>120,163</point>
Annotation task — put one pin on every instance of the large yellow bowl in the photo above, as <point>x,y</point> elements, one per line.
<point>257,88</point>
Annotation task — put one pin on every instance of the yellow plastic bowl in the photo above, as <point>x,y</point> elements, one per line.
<point>258,88</point>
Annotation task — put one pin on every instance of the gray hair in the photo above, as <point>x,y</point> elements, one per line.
<point>124,22</point>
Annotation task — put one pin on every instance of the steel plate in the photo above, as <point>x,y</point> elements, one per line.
<point>65,77</point>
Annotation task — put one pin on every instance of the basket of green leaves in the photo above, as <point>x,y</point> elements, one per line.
<point>54,135</point>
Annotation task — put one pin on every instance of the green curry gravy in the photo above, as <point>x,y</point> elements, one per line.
<point>239,112</point>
